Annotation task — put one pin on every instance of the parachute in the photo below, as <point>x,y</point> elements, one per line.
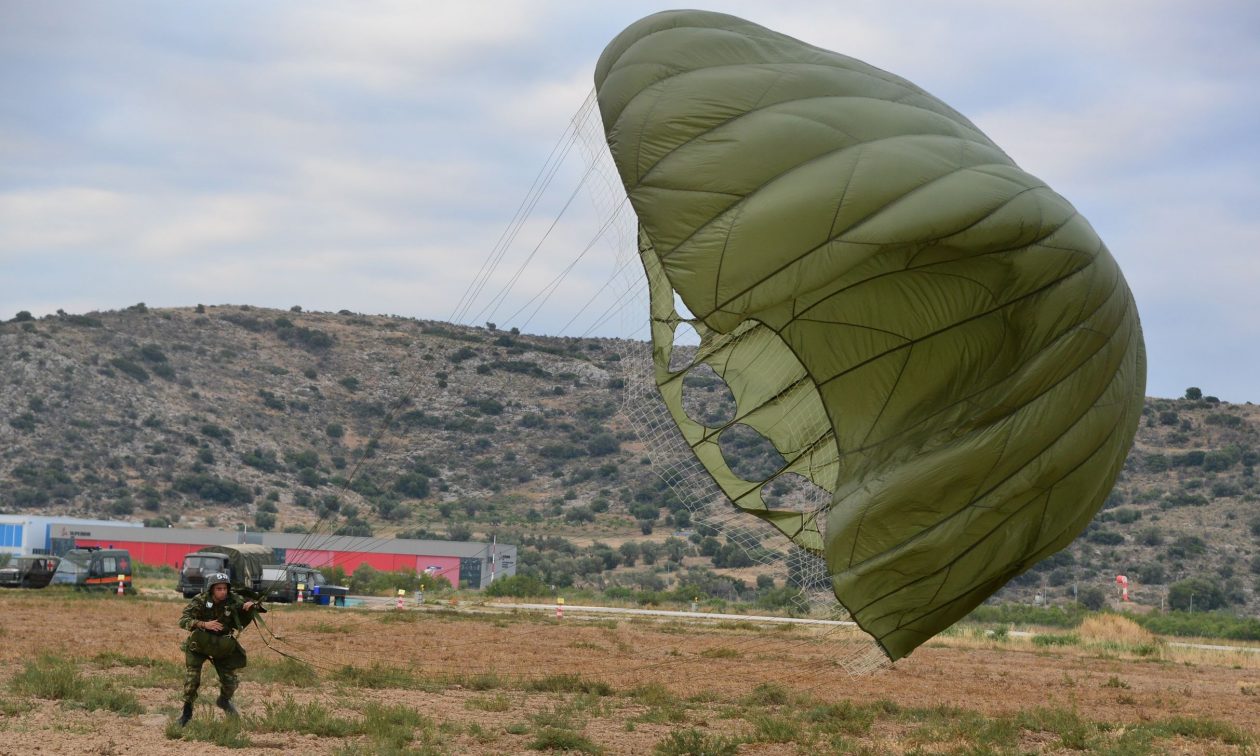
<point>921,329</point>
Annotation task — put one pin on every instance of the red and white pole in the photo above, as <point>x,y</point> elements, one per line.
<point>560,607</point>
<point>401,592</point>
<point>121,578</point>
<point>1123,582</point>
<point>301,590</point>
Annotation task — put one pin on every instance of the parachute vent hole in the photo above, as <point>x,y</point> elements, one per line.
<point>749,454</point>
<point>706,398</point>
<point>795,493</point>
<point>686,344</point>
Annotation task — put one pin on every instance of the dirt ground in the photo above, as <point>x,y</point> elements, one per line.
<point>478,657</point>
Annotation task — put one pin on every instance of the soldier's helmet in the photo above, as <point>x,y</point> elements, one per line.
<point>217,578</point>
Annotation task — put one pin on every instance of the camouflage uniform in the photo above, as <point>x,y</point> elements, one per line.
<point>221,649</point>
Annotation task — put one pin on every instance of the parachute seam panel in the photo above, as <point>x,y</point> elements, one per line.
<point>739,204</point>
<point>993,530</point>
<point>1076,421</point>
<point>821,156</point>
<point>840,60</point>
<point>912,341</point>
<point>862,326</point>
<point>1056,384</point>
<point>638,145</point>
<point>858,224</point>
<point>757,110</point>
<point>1058,337</point>
<point>836,61</point>
<point>1045,495</point>
<point>862,517</point>
<point>1005,250</point>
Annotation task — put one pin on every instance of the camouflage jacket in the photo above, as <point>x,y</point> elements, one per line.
<point>231,613</point>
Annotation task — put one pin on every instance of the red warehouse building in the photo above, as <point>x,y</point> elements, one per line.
<point>462,562</point>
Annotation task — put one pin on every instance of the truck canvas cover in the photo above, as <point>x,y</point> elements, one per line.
<point>244,564</point>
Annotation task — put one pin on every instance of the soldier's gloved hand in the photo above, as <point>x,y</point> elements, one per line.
<point>214,625</point>
<point>248,605</point>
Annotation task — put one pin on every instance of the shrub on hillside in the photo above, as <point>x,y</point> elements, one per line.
<point>213,488</point>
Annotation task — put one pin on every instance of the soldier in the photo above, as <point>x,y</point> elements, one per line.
<point>214,617</point>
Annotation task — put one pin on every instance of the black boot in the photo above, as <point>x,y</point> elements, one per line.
<point>226,704</point>
<point>186,716</point>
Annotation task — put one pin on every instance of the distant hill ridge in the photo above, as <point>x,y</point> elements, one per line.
<point>237,415</point>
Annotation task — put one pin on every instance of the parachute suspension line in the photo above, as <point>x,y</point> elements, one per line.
<point>497,300</point>
<point>503,250</point>
<point>550,288</point>
<point>601,183</point>
<point>559,152</point>
<point>611,280</point>
<point>619,304</point>
<point>687,476</point>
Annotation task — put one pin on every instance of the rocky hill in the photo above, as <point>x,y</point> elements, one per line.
<point>235,416</point>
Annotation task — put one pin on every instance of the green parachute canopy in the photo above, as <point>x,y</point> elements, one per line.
<point>922,329</point>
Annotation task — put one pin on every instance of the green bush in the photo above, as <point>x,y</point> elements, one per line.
<point>1023,614</point>
<point>130,368</point>
<point>1195,594</point>
<point>1201,624</point>
<point>214,488</point>
<point>518,586</point>
<point>557,739</point>
<point>1223,419</point>
<point>569,684</point>
<point>1070,639</point>
<point>412,485</point>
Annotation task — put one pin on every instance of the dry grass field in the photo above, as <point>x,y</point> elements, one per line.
<point>101,674</point>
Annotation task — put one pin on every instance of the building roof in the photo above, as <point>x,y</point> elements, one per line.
<point>299,541</point>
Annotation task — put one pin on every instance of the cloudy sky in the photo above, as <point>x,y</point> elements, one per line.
<point>369,155</point>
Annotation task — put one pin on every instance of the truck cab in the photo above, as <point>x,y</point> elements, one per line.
<point>280,581</point>
<point>242,563</point>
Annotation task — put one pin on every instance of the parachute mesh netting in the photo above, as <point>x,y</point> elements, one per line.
<point>672,457</point>
<point>943,356</point>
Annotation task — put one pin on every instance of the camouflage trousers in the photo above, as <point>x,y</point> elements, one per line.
<point>226,668</point>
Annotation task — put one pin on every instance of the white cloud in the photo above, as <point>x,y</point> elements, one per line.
<point>368,155</point>
<point>34,221</point>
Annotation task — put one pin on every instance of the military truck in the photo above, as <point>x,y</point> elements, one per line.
<point>28,572</point>
<point>242,562</point>
<point>94,567</point>
<point>280,583</point>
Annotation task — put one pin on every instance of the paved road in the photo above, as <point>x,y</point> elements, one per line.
<point>588,612</point>
<point>705,616</point>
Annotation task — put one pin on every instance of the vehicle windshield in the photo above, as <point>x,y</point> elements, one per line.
<point>76,557</point>
<point>204,564</point>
